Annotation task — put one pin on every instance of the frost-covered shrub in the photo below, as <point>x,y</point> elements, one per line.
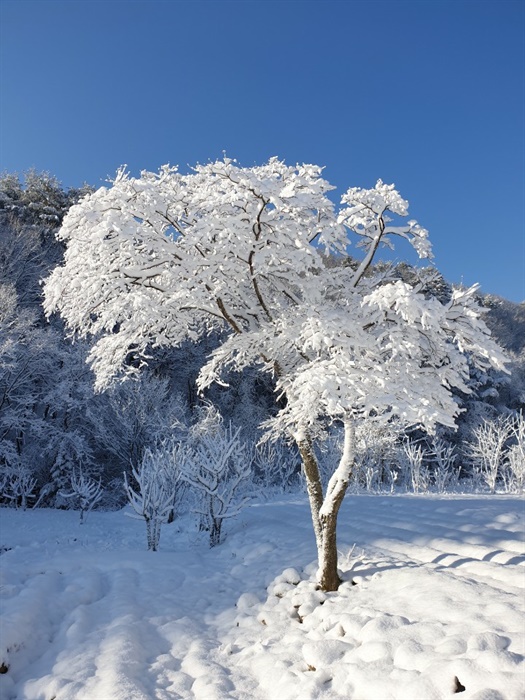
<point>487,449</point>
<point>153,498</point>
<point>17,485</point>
<point>515,457</point>
<point>377,453</point>
<point>417,471</point>
<point>218,469</point>
<point>68,449</point>
<point>445,473</point>
<point>275,465</point>
<point>86,491</point>
<point>376,465</point>
<point>516,467</point>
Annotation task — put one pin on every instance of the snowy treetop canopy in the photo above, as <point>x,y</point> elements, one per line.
<point>155,260</point>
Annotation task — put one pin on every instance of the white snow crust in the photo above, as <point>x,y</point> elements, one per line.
<point>433,591</point>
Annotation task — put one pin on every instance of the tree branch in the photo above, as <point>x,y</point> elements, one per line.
<point>228,317</point>
<point>365,264</point>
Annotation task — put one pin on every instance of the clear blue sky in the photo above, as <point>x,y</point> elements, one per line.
<point>428,94</point>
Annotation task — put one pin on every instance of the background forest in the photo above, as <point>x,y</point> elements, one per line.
<point>58,437</point>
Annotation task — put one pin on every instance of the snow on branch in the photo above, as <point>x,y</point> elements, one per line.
<point>153,497</point>
<point>261,254</point>
<point>86,491</point>
<point>218,468</point>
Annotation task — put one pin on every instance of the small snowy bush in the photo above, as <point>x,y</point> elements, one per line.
<point>218,469</point>
<point>487,449</point>
<point>515,457</point>
<point>377,451</point>
<point>17,485</point>
<point>153,499</point>
<point>86,491</point>
<point>418,473</point>
<point>445,473</point>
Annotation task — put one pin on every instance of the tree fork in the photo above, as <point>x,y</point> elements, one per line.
<point>329,579</point>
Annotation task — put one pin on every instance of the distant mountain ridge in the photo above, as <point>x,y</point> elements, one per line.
<point>506,320</point>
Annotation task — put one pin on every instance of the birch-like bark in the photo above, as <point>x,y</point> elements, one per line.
<point>324,511</point>
<point>328,576</point>
<point>313,486</point>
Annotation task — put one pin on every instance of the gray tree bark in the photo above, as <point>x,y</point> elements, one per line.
<point>324,510</point>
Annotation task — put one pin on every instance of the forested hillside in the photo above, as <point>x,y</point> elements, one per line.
<point>53,426</point>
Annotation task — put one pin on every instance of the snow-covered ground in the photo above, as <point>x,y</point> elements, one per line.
<point>432,602</point>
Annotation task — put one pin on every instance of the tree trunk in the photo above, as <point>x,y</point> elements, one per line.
<point>313,485</point>
<point>325,510</point>
<point>215,532</point>
<point>328,576</point>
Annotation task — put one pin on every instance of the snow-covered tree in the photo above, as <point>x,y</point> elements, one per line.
<point>516,453</point>
<point>86,491</point>
<point>152,496</point>
<point>27,355</point>
<point>156,260</point>
<point>418,473</point>
<point>17,485</point>
<point>133,417</point>
<point>217,467</point>
<point>488,447</point>
<point>445,471</point>
<point>41,402</point>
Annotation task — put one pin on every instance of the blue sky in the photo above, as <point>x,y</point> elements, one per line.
<point>427,94</point>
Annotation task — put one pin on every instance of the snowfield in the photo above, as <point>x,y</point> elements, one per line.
<point>432,604</point>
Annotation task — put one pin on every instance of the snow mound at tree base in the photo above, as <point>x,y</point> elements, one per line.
<point>394,630</point>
